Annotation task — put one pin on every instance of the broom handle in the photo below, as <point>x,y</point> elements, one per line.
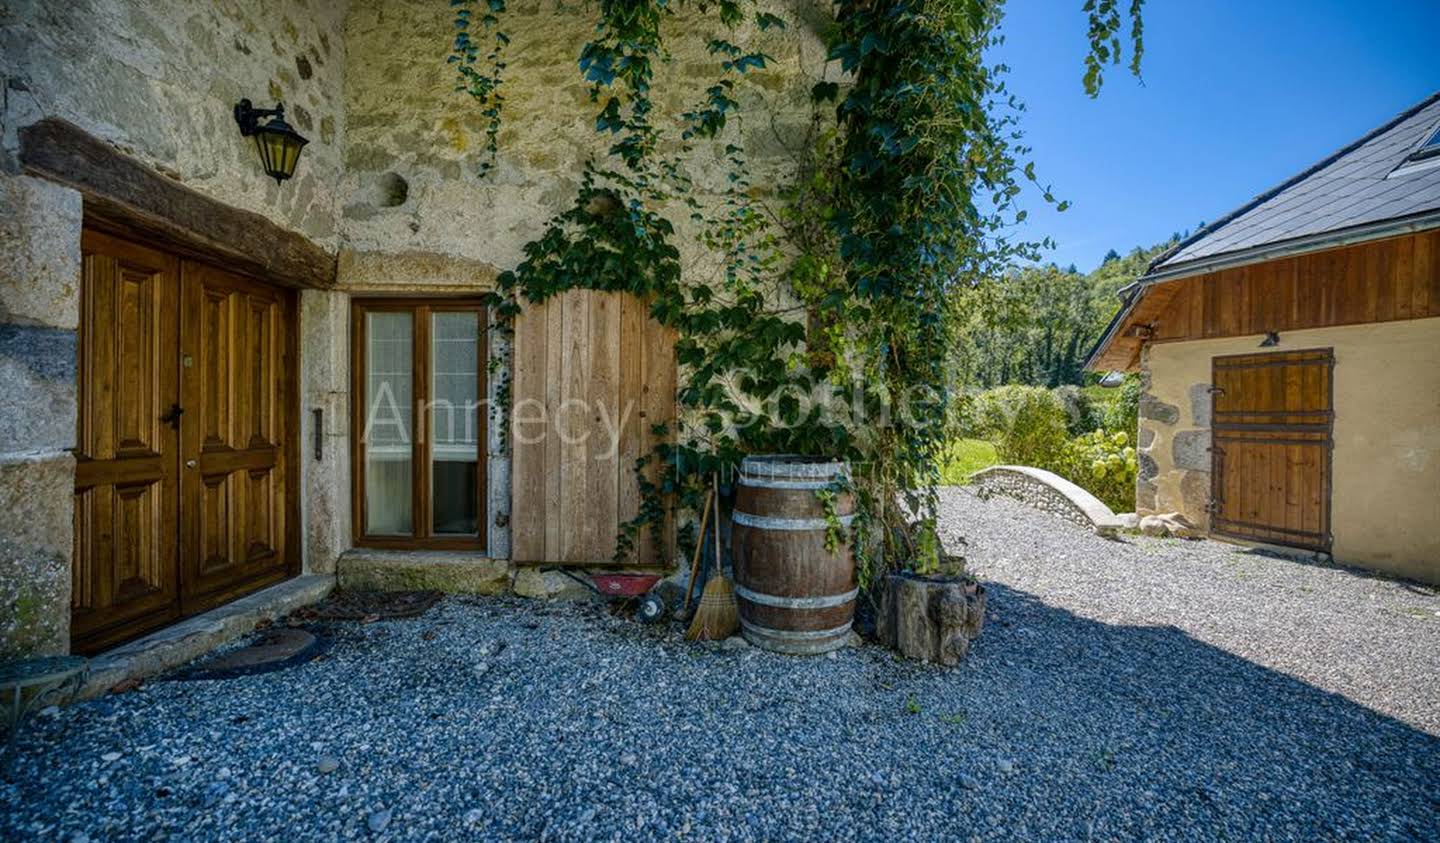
<point>715,493</point>
<point>699,546</point>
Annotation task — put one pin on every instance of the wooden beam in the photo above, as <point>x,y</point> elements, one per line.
<point>126,196</point>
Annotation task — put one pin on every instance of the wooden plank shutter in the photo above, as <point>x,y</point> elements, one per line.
<point>587,363</point>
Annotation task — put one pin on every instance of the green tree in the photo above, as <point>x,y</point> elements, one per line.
<point>1036,324</point>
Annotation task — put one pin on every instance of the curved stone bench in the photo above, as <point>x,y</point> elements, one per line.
<point>1048,492</point>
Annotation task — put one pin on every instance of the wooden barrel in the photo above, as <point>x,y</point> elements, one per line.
<point>794,595</point>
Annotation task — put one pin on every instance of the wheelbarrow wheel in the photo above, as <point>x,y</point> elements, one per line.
<point>652,609</point>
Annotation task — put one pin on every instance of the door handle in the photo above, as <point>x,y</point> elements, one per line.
<point>190,463</point>
<point>172,416</point>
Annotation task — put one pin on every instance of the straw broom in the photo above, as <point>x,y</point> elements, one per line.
<point>699,549</point>
<point>717,616</point>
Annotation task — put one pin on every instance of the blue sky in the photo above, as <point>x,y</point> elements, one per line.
<point>1237,96</point>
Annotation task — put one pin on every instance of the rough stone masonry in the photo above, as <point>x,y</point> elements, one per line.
<point>388,184</point>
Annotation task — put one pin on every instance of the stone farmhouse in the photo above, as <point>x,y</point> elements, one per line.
<point>188,346</point>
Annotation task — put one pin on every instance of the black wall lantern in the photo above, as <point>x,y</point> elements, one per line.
<point>279,144</point>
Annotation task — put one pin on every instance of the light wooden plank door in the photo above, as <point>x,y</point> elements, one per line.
<point>1270,459</point>
<point>126,502</point>
<point>593,376</point>
<point>236,382</point>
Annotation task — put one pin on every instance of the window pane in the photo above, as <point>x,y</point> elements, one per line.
<point>455,417</point>
<point>389,406</point>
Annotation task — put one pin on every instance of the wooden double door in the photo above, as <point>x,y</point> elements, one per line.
<point>185,457</point>
<point>1271,454</point>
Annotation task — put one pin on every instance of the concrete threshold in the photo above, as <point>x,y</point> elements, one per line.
<point>453,572</point>
<point>193,637</point>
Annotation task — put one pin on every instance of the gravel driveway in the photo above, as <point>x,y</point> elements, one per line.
<point>1136,689</point>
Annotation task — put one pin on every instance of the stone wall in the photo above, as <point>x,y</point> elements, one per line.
<point>416,215</point>
<point>1174,444</point>
<point>159,80</point>
<point>388,182</point>
<point>1047,492</point>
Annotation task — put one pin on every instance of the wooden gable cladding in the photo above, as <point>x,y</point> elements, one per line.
<point>593,373</point>
<point>1377,281</point>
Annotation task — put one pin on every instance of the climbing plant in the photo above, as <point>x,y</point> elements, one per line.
<point>834,287</point>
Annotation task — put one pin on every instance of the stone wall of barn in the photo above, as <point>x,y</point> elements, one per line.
<point>1173,445</point>
<point>1385,472</point>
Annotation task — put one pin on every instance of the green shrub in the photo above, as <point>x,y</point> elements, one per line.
<point>964,420</point>
<point>1026,423</point>
<point>1082,414</point>
<point>1123,413</point>
<point>1102,463</point>
<point>1064,430</point>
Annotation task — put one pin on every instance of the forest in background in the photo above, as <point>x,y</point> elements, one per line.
<point>1025,397</point>
<point>1036,324</point>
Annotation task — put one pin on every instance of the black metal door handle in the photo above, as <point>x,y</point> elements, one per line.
<point>172,417</point>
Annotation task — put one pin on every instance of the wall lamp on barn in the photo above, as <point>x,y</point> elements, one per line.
<point>279,144</point>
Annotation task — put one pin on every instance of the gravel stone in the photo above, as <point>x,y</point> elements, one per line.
<point>1142,689</point>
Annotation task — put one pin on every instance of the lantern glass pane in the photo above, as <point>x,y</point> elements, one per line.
<point>292,154</point>
<point>279,152</point>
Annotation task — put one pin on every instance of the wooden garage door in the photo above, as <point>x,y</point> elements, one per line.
<point>186,401</point>
<point>1270,460</point>
<point>594,374</point>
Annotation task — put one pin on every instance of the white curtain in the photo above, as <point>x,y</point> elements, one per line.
<point>454,445</point>
<point>389,427</point>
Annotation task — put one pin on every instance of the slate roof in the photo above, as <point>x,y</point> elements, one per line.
<point>1352,187</point>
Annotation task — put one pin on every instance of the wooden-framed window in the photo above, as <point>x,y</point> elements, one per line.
<point>418,426</point>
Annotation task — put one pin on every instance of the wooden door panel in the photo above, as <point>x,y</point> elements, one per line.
<point>213,511</point>
<point>210,359</point>
<point>126,504</point>
<point>177,513</point>
<point>1272,445</point>
<point>236,338</point>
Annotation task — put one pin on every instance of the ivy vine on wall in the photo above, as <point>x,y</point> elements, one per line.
<point>841,282</point>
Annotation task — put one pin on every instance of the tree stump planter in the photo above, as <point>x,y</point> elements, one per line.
<point>931,618</point>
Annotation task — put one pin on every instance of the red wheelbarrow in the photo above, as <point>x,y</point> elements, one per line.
<point>623,588</point>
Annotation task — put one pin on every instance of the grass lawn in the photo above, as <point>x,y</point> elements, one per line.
<point>965,457</point>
